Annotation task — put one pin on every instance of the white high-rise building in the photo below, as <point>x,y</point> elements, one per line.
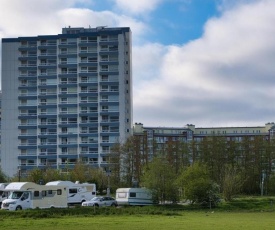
<point>65,98</point>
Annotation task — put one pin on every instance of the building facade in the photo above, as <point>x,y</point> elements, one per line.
<point>155,139</point>
<point>65,98</point>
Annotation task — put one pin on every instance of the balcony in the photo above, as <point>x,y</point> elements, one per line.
<point>47,93</point>
<point>47,143</point>
<point>48,133</point>
<point>27,124</point>
<point>27,144</point>
<point>47,103</point>
<point>27,114</point>
<point>109,110</point>
<point>47,113</point>
<point>47,123</point>
<point>88,152</point>
<point>27,94</point>
<point>44,153</point>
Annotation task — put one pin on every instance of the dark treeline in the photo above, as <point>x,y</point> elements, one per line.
<point>244,167</point>
<point>251,160</point>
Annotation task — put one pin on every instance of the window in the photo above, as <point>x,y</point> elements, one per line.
<point>122,195</point>
<point>73,190</point>
<point>36,194</point>
<point>44,193</point>
<point>133,194</point>
<point>59,191</point>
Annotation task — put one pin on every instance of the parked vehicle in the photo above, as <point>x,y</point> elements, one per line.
<point>28,195</point>
<point>134,196</point>
<point>3,193</point>
<point>76,193</point>
<point>100,201</point>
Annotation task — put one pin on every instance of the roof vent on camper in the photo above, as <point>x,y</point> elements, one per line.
<point>77,182</point>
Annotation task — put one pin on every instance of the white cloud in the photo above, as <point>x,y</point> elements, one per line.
<point>137,7</point>
<point>32,17</point>
<point>225,77</point>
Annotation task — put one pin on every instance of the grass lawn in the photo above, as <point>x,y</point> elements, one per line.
<point>186,220</point>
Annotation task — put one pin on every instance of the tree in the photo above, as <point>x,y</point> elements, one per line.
<point>35,175</point>
<point>80,172</point>
<point>232,182</point>
<point>3,177</point>
<point>159,177</point>
<point>197,184</point>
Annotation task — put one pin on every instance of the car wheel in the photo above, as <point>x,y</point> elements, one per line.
<point>18,208</point>
<point>96,205</point>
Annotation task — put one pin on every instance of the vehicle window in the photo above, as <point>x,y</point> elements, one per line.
<point>59,191</point>
<point>50,192</point>
<point>25,195</point>
<point>44,193</point>
<point>121,195</point>
<point>72,190</point>
<point>36,193</point>
<point>132,194</point>
<point>15,195</point>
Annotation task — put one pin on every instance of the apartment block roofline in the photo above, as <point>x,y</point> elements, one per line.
<point>72,32</point>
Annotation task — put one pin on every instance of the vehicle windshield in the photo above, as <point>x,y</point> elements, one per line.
<point>96,199</point>
<point>15,195</point>
<point>3,194</point>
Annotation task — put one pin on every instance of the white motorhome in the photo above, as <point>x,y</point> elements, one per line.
<point>134,196</point>
<point>76,192</point>
<point>28,195</point>
<point>3,194</point>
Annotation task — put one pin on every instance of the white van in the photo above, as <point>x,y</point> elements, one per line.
<point>134,196</point>
<point>76,192</point>
<point>28,195</point>
<point>3,194</point>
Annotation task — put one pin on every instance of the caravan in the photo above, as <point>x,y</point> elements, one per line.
<point>76,192</point>
<point>134,196</point>
<point>3,193</point>
<point>28,195</point>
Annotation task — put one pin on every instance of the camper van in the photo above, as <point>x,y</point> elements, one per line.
<point>28,195</point>
<point>134,196</point>
<point>76,192</point>
<point>3,192</point>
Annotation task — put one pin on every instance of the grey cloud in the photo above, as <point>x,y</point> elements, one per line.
<point>224,78</point>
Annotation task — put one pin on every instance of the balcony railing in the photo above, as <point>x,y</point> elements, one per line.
<point>27,114</point>
<point>47,133</point>
<point>27,124</point>
<point>27,144</point>
<point>27,94</point>
<point>47,113</point>
<point>88,152</point>
<point>48,123</point>
<point>47,143</point>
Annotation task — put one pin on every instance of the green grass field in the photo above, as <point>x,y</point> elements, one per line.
<point>188,220</point>
<point>250,213</point>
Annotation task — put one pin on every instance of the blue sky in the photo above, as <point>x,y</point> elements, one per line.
<point>178,23</point>
<point>205,62</point>
<point>174,21</point>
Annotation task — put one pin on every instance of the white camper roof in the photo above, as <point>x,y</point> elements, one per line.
<point>20,186</point>
<point>132,190</point>
<point>60,182</point>
<point>3,186</point>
